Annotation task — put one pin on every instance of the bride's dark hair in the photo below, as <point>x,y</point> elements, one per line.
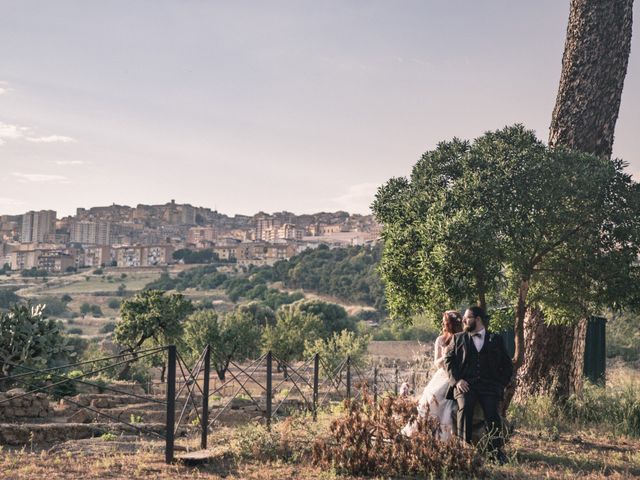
<point>451,324</point>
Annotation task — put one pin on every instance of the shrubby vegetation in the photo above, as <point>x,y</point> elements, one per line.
<point>614,409</point>
<point>195,256</point>
<point>93,309</point>
<point>384,451</point>
<point>34,272</point>
<point>349,274</point>
<point>335,349</point>
<point>422,328</point>
<point>623,336</point>
<point>113,303</point>
<point>108,327</point>
<point>287,337</point>
<point>247,286</point>
<point>54,306</point>
<point>29,338</point>
<point>8,297</point>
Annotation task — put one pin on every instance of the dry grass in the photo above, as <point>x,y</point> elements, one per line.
<point>100,283</point>
<point>400,350</point>
<point>533,454</point>
<point>535,451</point>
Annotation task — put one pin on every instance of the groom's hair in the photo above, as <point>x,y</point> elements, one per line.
<point>479,312</point>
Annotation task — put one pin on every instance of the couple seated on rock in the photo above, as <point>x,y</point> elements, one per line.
<point>473,368</point>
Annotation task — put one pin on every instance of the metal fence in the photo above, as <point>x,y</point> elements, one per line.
<point>273,385</point>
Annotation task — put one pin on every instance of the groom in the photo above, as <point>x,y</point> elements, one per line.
<point>479,369</point>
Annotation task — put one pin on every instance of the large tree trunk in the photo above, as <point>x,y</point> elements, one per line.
<point>594,66</point>
<point>549,366</point>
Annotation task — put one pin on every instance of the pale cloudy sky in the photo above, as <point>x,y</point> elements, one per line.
<point>264,105</point>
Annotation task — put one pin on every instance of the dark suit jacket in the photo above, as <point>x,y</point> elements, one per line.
<point>494,379</point>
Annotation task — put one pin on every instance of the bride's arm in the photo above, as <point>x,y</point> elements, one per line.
<point>438,353</point>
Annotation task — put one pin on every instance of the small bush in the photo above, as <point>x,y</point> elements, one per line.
<point>288,441</point>
<point>133,418</point>
<point>54,306</point>
<point>66,389</point>
<point>98,271</point>
<point>108,327</point>
<point>74,331</point>
<point>367,440</point>
<point>113,303</point>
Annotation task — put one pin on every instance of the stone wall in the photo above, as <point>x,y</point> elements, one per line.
<point>14,407</point>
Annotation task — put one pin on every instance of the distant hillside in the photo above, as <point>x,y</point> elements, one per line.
<point>346,273</point>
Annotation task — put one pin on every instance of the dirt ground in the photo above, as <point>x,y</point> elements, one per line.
<point>532,454</point>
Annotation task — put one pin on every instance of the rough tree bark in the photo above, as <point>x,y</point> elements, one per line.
<point>594,66</point>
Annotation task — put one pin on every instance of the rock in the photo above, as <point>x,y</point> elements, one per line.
<point>102,402</point>
<point>238,403</point>
<point>81,416</point>
<point>14,392</point>
<point>81,399</point>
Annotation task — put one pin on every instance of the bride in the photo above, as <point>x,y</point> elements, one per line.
<point>433,399</point>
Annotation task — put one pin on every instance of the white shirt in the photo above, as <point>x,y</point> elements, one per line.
<point>478,339</point>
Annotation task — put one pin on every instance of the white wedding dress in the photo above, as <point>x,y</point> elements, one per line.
<point>433,399</point>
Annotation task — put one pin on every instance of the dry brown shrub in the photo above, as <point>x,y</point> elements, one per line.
<point>367,440</point>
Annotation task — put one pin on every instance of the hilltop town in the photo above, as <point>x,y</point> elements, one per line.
<point>158,235</point>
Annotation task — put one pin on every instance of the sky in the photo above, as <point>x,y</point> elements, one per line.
<point>250,106</point>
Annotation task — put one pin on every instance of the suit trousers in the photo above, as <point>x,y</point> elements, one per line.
<point>489,403</point>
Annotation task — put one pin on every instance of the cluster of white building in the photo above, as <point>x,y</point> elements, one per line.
<point>121,236</point>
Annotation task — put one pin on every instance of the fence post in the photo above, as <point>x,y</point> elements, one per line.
<point>269,392</point>
<point>171,403</point>
<point>349,378</point>
<point>316,374</point>
<point>375,385</point>
<point>395,378</point>
<point>205,397</point>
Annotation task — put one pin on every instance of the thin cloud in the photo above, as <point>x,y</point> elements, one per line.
<point>52,139</point>
<point>3,90</point>
<point>8,130</point>
<point>357,198</point>
<point>39,178</point>
<point>69,162</point>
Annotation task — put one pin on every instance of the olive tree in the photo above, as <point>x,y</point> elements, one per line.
<point>234,336</point>
<point>287,337</point>
<point>335,349</point>
<point>150,318</point>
